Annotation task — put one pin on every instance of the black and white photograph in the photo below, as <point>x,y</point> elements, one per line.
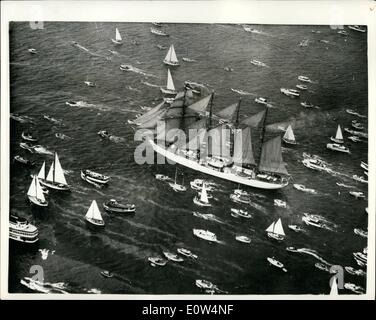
<point>164,157</point>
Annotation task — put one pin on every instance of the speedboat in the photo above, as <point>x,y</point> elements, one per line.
<point>355,272</point>
<point>301,86</point>
<point>360,179</point>
<point>243,239</point>
<point>126,67</point>
<point>187,253</point>
<point>157,261</point>
<point>172,256</point>
<point>337,147</point>
<point>303,188</point>
<point>107,274</point>
<point>28,137</point>
<point>204,284</point>
<point>205,234</point>
<point>261,100</point>
<point>290,92</point>
<point>94,177</point>
<point>21,230</point>
<point>24,161</point>
<point>239,198</point>
<point>306,104</point>
<point>361,232</point>
<point>356,194</point>
<point>357,28</point>
<point>116,207</point>
<point>162,177</point>
<point>72,103</point>
<point>258,63</point>
<point>32,50</point>
<point>89,83</point>
<point>280,203</point>
<point>158,32</point>
<point>276,263</point>
<point>241,192</point>
<point>104,134</point>
<point>295,228</point>
<point>304,79</point>
<point>354,138</point>
<point>314,164</point>
<point>241,213</point>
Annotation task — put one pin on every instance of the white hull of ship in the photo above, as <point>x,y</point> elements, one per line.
<point>55,186</point>
<point>227,176</point>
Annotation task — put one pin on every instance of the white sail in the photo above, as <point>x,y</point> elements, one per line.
<point>50,176</point>
<point>170,83</point>
<point>93,212</point>
<point>278,228</point>
<point>171,55</point>
<point>270,228</point>
<point>42,171</point>
<point>339,133</point>
<point>59,173</point>
<point>289,134</point>
<point>117,35</point>
<point>204,195</point>
<point>334,288</point>
<point>39,191</point>
<point>32,192</point>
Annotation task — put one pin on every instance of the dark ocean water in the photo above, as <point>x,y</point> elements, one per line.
<point>42,83</point>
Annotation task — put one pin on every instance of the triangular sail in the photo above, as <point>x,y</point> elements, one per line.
<point>117,35</point>
<point>278,228</point>
<point>271,157</point>
<point>50,176</point>
<point>59,173</point>
<point>339,133</point>
<point>204,195</point>
<point>255,120</point>
<point>334,287</point>
<point>150,114</point>
<point>171,55</point>
<point>201,105</point>
<point>32,192</point>
<point>228,112</point>
<point>39,191</point>
<point>289,134</point>
<point>243,152</point>
<point>270,228</point>
<point>170,83</point>
<point>42,171</point>
<point>93,212</point>
<point>89,213</point>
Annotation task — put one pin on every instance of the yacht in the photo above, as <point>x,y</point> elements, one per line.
<point>243,239</point>
<point>315,164</point>
<point>290,92</point>
<point>275,230</point>
<point>304,79</point>
<point>21,230</point>
<point>205,234</point>
<point>337,147</point>
<point>276,263</point>
<point>261,100</point>
<point>241,213</point>
<point>172,256</point>
<point>116,207</point>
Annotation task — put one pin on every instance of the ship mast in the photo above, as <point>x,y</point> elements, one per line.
<point>237,114</point>
<point>209,126</point>
<point>262,134</point>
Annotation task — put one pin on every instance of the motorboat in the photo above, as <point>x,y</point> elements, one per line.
<point>354,138</point>
<point>306,104</point>
<point>276,263</point>
<point>158,32</point>
<point>186,59</point>
<point>172,256</point>
<point>89,83</point>
<point>24,161</point>
<point>261,100</point>
<point>32,50</point>
<point>340,184</point>
<point>361,232</point>
<point>94,177</point>
<point>241,192</point>
<point>354,288</point>
<point>312,221</point>
<point>322,266</point>
<point>295,228</point>
<point>357,194</point>
<point>187,253</point>
<point>304,79</point>
<point>357,125</point>
<point>93,215</point>
<point>162,177</point>
<point>359,179</point>
<point>289,136</point>
<point>116,207</point>
<point>28,137</point>
<point>302,87</point>
<point>315,164</point>
<point>241,213</point>
<point>303,188</point>
<point>21,230</point>
<point>239,198</point>
<point>357,28</point>
<point>290,92</point>
<point>337,147</point>
<point>157,24</point>
<point>35,193</point>
<point>205,234</point>
<point>204,284</point>
<point>243,239</point>
<point>280,203</point>
<point>364,165</point>
<point>275,230</point>
<point>157,261</point>
<point>339,137</point>
<point>107,274</point>
<point>118,40</point>
<point>258,63</point>
<point>104,134</point>
<point>126,67</point>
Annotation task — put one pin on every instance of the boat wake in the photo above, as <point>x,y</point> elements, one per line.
<point>137,70</point>
<point>77,45</point>
<point>242,92</point>
<point>150,84</point>
<point>43,150</point>
<point>44,287</point>
<point>208,216</point>
<point>312,253</point>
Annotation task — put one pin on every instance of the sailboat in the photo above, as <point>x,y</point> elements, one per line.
<point>35,193</point>
<point>175,185</point>
<point>55,178</point>
<point>94,216</point>
<point>170,88</point>
<point>203,201</point>
<point>171,58</point>
<point>118,40</point>
<point>275,230</point>
<point>289,137</point>
<point>339,136</point>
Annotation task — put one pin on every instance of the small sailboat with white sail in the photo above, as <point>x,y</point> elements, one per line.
<point>177,187</point>
<point>339,136</point>
<point>94,216</point>
<point>289,136</point>
<point>55,178</point>
<point>171,58</point>
<point>118,39</point>
<point>35,193</point>
<point>275,230</point>
<point>170,88</point>
<point>203,201</point>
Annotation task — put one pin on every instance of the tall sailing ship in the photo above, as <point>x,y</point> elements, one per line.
<point>221,145</point>
<point>55,178</point>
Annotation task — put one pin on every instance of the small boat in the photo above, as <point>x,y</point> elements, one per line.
<point>364,165</point>
<point>359,179</point>
<point>339,136</point>
<point>27,146</point>
<point>198,183</point>
<point>157,24</point>
<point>275,230</point>
<point>21,230</point>
<point>304,79</point>
<point>289,136</point>
<point>187,253</point>
<point>322,266</point>
<point>304,43</point>
<point>107,274</point>
<point>94,177</point>
<point>357,28</point>
<point>308,220</point>
<point>306,104</point>
<point>157,261</point>
<point>94,216</point>
<point>204,284</point>
<point>337,147</point>
<point>356,194</point>
<point>175,186</point>
<point>355,272</point>
<point>241,192</point>
<point>357,133</point>
<point>258,63</point>
<point>276,263</point>
<point>89,83</point>
<point>162,177</point>
<point>361,232</point>
<point>28,137</point>
<point>241,213</point>
<point>36,194</point>
<point>354,288</point>
<point>302,87</point>
<point>72,103</point>
<point>203,201</point>
<point>205,234</point>
<point>280,203</point>
<point>343,32</point>
<point>171,58</point>
<point>239,198</point>
<point>243,239</point>
<point>290,92</point>
<point>186,59</point>
<point>158,32</point>
<point>104,134</point>
<point>24,161</point>
<point>340,184</point>
<point>112,52</point>
<point>360,256</point>
<point>315,164</point>
<point>55,178</point>
<point>118,40</point>
<point>295,228</point>
<point>303,188</point>
<point>116,207</point>
<point>32,51</point>
<point>351,111</point>
<point>172,256</point>
<point>261,100</point>
<point>159,46</point>
<point>354,138</point>
<point>170,88</point>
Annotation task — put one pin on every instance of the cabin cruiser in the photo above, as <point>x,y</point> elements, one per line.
<point>261,100</point>
<point>303,188</point>
<point>32,50</point>
<point>94,177</point>
<point>357,28</point>
<point>304,79</point>
<point>241,213</point>
<point>21,230</point>
<point>28,137</point>
<point>337,147</point>
<point>276,263</point>
<point>239,198</point>
<point>24,161</point>
<point>358,195</point>
<point>280,203</point>
<point>243,239</point>
<point>205,234</point>
<point>315,164</point>
<point>158,32</point>
<point>187,253</point>
<point>302,86</point>
<point>360,179</point>
<point>116,207</point>
<point>295,228</point>
<point>290,92</point>
<point>172,256</point>
<point>157,261</point>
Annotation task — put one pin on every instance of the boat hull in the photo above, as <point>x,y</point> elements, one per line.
<point>96,223</point>
<point>290,142</point>
<point>35,201</point>
<point>19,238</point>
<point>118,210</point>
<point>169,63</point>
<point>167,91</point>
<point>222,175</point>
<point>116,42</point>
<point>92,179</point>
<point>55,186</point>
